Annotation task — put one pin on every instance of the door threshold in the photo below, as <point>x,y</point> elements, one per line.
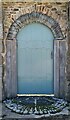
<point>35,94</point>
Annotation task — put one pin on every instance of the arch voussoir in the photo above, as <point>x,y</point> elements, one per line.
<point>35,17</point>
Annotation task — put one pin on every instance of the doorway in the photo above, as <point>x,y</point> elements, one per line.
<point>35,60</point>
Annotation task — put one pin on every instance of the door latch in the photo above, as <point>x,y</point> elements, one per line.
<point>52,55</point>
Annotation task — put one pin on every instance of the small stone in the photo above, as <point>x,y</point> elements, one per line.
<point>19,107</point>
<point>41,112</point>
<point>4,101</point>
<point>21,111</point>
<point>14,109</point>
<point>25,112</point>
<point>8,101</point>
<point>17,111</point>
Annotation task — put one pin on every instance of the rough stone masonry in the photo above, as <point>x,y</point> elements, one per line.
<point>11,20</point>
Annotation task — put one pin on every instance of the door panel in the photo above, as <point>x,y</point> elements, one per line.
<point>35,64</point>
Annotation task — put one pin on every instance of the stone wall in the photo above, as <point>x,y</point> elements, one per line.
<point>12,11</point>
<point>58,11</point>
<point>68,59</point>
<point>1,38</point>
<point>54,117</point>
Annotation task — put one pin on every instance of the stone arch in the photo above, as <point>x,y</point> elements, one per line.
<point>11,46</point>
<point>35,17</point>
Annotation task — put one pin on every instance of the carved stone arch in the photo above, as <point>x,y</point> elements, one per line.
<point>11,66</point>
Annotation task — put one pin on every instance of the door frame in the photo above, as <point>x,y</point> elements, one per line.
<point>11,47</point>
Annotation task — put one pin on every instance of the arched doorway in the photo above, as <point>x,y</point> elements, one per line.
<point>35,60</point>
<point>11,46</point>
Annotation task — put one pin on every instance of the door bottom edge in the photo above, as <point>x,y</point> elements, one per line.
<point>35,94</point>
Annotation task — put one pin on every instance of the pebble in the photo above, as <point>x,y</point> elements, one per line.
<point>18,111</point>
<point>58,104</point>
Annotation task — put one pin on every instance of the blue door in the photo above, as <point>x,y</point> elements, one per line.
<point>35,60</point>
